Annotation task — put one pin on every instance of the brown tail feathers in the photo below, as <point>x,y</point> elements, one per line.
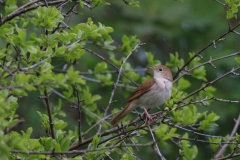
<point>121,115</point>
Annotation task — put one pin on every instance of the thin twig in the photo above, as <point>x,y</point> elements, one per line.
<point>79,114</point>
<point>155,143</point>
<point>198,140</point>
<point>49,113</point>
<point>204,48</point>
<point>104,59</point>
<point>23,9</point>
<point>72,9</point>
<point>82,151</point>
<point>208,62</point>
<point>209,83</point>
<point>91,113</point>
<point>95,80</point>
<point>35,65</point>
<point>8,129</point>
<point>222,150</point>
<point>115,85</point>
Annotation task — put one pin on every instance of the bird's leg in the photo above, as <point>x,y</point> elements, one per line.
<point>148,116</point>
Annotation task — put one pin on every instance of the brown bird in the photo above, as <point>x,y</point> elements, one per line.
<point>151,93</point>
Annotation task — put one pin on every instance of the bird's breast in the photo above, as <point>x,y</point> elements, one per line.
<point>159,92</point>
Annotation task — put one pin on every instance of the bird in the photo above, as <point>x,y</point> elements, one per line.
<point>151,93</point>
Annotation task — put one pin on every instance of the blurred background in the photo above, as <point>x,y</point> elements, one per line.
<point>166,26</point>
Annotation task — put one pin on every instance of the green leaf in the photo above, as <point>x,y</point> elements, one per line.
<point>22,35</point>
<point>46,67</point>
<point>95,141</point>
<point>175,61</point>
<point>48,143</point>
<point>33,49</point>
<point>183,84</point>
<point>190,153</point>
<point>95,97</point>
<point>237,137</point>
<point>214,139</point>
<point>162,133</point>
<point>237,59</point>
<point>65,142</point>
<point>212,117</point>
<point>127,156</point>
<point>234,8</point>
<point>34,144</point>
<point>47,17</point>
<point>59,124</point>
<point>229,14</point>
<point>77,158</point>
<point>29,131</point>
<point>100,67</point>
<point>81,3</point>
<point>151,61</point>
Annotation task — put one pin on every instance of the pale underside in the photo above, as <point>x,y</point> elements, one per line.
<point>159,92</point>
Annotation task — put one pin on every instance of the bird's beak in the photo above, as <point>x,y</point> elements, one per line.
<point>150,68</point>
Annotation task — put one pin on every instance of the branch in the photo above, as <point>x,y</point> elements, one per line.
<point>23,9</point>
<point>82,151</point>
<point>156,146</point>
<point>34,85</point>
<point>33,66</point>
<point>95,80</point>
<point>8,129</point>
<point>79,114</point>
<point>208,62</point>
<point>222,150</point>
<point>115,85</point>
<point>93,114</point>
<point>71,9</point>
<point>204,48</point>
<point>201,134</point>
<point>98,123</point>
<point>224,5</point>
<point>206,99</point>
<point>49,113</point>
<point>110,64</point>
<point>113,71</point>
<point>198,140</point>
<point>209,83</point>
<point>227,157</point>
<point>46,3</point>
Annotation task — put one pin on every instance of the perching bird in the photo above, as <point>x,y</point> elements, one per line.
<point>151,93</point>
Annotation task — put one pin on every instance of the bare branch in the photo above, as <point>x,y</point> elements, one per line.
<point>110,64</point>
<point>95,80</point>
<point>198,140</point>
<point>222,150</point>
<point>93,114</point>
<point>82,151</point>
<point>155,144</point>
<point>33,66</point>
<point>115,85</point>
<point>23,9</point>
<point>204,48</point>
<point>209,83</point>
<point>49,113</point>
<point>208,62</point>
<point>79,114</point>
<point>8,129</point>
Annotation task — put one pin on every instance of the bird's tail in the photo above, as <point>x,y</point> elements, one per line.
<point>122,114</point>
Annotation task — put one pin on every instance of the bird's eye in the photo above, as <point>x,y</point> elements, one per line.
<point>160,69</point>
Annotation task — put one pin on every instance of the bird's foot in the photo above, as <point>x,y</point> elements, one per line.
<point>148,117</point>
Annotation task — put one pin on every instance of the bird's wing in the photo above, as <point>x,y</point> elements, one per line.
<point>144,88</point>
